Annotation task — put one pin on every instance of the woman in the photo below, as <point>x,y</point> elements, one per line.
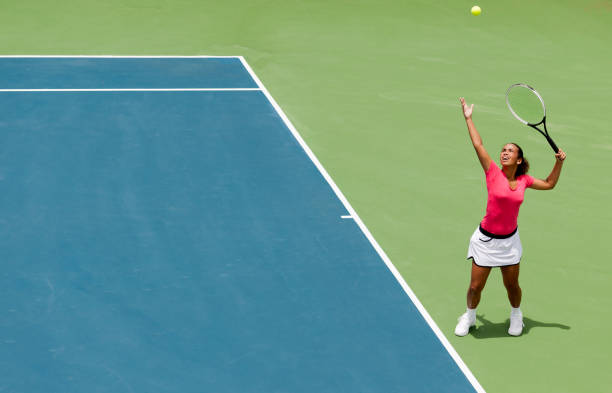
<point>496,242</point>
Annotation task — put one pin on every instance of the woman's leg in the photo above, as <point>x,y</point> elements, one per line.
<point>511,275</point>
<point>477,284</point>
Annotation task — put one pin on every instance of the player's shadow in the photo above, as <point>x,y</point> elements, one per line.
<point>489,329</point>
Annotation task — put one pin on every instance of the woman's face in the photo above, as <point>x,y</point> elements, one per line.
<point>509,155</point>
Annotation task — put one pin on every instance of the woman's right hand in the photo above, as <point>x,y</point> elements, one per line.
<point>467,110</point>
<point>560,156</point>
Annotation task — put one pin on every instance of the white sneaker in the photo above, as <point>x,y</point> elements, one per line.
<point>516,324</point>
<point>464,325</point>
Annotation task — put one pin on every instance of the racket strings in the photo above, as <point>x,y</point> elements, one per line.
<point>525,104</point>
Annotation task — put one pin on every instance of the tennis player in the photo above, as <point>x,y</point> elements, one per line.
<point>496,241</point>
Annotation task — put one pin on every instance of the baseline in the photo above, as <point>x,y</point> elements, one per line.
<point>432,324</point>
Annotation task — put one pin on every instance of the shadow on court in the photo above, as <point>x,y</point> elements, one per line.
<point>489,329</point>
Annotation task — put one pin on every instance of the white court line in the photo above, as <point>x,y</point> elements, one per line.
<point>135,89</point>
<point>118,57</point>
<point>346,217</point>
<point>453,353</point>
<point>123,57</point>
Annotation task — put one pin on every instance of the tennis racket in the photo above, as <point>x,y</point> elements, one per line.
<point>527,105</point>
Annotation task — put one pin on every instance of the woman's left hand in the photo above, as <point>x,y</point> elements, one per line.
<point>560,156</point>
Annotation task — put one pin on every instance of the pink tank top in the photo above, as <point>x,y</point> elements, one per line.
<point>503,203</point>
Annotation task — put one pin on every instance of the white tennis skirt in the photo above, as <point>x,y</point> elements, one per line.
<point>493,252</point>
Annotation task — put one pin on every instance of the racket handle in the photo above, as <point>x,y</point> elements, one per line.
<point>552,144</point>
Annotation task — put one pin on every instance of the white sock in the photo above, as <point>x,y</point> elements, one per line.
<point>516,311</point>
<point>471,312</point>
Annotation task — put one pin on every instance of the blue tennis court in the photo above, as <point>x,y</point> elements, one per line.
<point>164,229</point>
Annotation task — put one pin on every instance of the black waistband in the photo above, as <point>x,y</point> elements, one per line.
<point>494,236</point>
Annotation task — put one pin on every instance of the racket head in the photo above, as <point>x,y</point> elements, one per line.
<point>526,104</point>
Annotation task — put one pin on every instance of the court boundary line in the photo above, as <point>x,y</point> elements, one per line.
<point>432,324</point>
<point>121,56</point>
<point>134,89</point>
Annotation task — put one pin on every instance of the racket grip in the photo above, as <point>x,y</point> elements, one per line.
<point>552,144</point>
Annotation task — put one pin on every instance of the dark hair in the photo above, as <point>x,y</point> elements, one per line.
<point>523,167</point>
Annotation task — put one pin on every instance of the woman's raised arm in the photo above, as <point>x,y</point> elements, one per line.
<point>551,180</point>
<point>481,152</point>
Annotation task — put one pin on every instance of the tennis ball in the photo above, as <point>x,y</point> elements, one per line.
<point>476,10</point>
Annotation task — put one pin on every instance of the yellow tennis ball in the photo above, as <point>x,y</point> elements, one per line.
<point>476,10</point>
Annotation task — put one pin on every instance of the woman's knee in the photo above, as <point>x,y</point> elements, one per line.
<point>476,287</point>
<point>512,286</point>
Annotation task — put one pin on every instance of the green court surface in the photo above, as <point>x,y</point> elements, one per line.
<point>373,88</point>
